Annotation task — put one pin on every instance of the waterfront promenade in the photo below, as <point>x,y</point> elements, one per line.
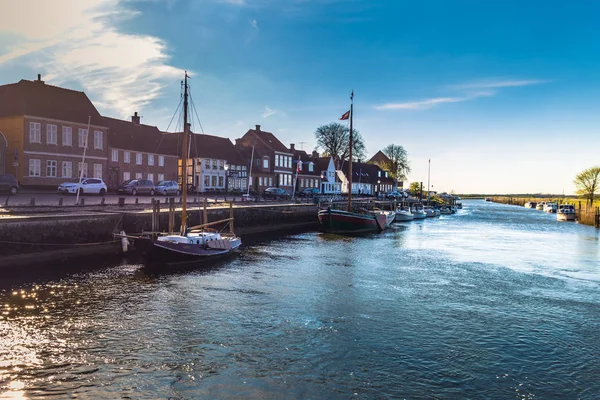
<point>494,302</point>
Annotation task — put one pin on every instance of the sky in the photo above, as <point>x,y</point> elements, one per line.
<point>503,96</point>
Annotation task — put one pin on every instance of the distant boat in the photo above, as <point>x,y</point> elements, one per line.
<point>418,212</point>
<point>540,206</point>
<point>488,199</point>
<point>566,212</point>
<point>550,208</point>
<point>403,214</point>
<point>530,204</point>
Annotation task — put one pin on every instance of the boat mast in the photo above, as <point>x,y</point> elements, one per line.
<point>350,154</point>
<point>184,167</point>
<point>428,185</point>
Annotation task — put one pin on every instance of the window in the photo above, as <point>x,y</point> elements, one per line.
<point>98,170</point>
<point>161,177</point>
<point>206,180</point>
<point>126,176</point>
<point>51,134</point>
<point>67,169</point>
<point>151,177</point>
<point>280,179</point>
<point>266,163</point>
<point>214,164</point>
<point>35,134</point>
<point>150,159</point>
<point>67,136</point>
<point>82,137</point>
<point>277,160</point>
<point>98,141</point>
<point>161,162</point>
<point>80,169</point>
<point>213,180</point>
<point>220,181</point>
<point>260,181</point>
<point>115,155</point>
<point>138,175</point>
<point>303,182</point>
<point>51,168</point>
<point>35,168</point>
<point>311,167</point>
<point>270,181</point>
<point>207,163</point>
<point>138,158</point>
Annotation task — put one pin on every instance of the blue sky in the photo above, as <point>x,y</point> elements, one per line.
<point>503,96</point>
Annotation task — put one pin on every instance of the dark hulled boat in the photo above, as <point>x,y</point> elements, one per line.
<point>339,221</point>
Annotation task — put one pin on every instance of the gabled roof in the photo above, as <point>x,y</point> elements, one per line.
<point>206,146</point>
<point>268,139</point>
<point>366,173</point>
<point>306,159</point>
<point>37,99</point>
<point>379,158</point>
<point>137,137</point>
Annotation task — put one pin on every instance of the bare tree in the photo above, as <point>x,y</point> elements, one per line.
<point>586,183</point>
<point>398,166</point>
<point>334,140</point>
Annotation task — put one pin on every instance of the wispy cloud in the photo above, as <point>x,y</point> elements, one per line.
<point>74,41</point>
<point>268,112</point>
<point>254,23</point>
<point>470,91</point>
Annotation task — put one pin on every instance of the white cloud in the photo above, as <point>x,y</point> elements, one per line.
<point>499,84</point>
<point>72,41</point>
<point>254,24</point>
<point>268,112</point>
<point>429,103</point>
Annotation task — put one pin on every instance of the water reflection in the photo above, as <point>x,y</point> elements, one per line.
<point>483,304</point>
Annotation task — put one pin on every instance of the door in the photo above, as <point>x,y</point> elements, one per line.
<point>113,178</point>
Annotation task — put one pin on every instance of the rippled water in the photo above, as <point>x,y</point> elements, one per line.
<point>494,302</point>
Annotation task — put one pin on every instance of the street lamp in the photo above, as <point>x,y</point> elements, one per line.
<point>378,187</point>
<point>226,167</point>
<point>322,184</point>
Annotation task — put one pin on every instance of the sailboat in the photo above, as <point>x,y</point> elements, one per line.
<point>191,243</point>
<point>350,221</point>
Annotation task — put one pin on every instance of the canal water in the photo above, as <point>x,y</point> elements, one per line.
<point>496,302</point>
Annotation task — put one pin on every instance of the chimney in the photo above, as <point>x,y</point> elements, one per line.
<point>135,118</point>
<point>39,79</point>
<point>315,154</point>
<point>258,128</point>
<point>238,142</point>
<point>292,147</point>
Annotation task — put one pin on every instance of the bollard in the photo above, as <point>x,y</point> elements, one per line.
<point>32,201</point>
<point>180,200</point>
<point>121,201</point>
<point>103,201</point>
<point>60,202</point>
<point>81,201</point>
<point>137,200</point>
<point>6,201</point>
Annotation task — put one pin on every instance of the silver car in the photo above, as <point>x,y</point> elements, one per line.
<point>167,187</point>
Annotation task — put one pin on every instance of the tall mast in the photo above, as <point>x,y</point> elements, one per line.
<point>428,185</point>
<point>184,157</point>
<point>350,154</point>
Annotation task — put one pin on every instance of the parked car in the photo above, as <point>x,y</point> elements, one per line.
<point>137,186</point>
<point>8,184</point>
<point>276,193</point>
<point>167,187</point>
<point>394,195</point>
<point>308,192</point>
<point>87,186</point>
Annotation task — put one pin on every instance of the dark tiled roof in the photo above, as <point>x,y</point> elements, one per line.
<point>306,159</point>
<point>366,173</point>
<point>206,146</point>
<point>379,158</point>
<point>269,140</point>
<point>38,99</point>
<point>137,137</point>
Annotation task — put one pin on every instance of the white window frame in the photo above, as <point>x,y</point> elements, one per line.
<point>150,177</point>
<point>51,168</point>
<point>82,137</point>
<point>83,166</point>
<point>51,134</point>
<point>126,176</point>
<point>67,169</point>
<point>161,177</point>
<point>138,159</point>
<point>35,132</point>
<point>67,136</point>
<point>98,140</point>
<point>265,163</point>
<point>35,167</point>
<point>139,175</point>
<point>161,161</point>
<point>151,159</point>
<point>98,171</point>
<point>115,155</point>
<point>126,157</point>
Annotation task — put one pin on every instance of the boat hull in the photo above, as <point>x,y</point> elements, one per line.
<point>337,221</point>
<point>157,252</point>
<point>403,216</point>
<point>565,216</point>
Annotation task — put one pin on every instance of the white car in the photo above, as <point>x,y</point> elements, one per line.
<point>88,186</point>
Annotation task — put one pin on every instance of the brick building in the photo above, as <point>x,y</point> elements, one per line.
<point>308,171</point>
<point>46,131</point>
<point>138,151</point>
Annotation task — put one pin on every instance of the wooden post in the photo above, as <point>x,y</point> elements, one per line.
<point>231,216</point>
<point>171,214</point>
<point>204,213</point>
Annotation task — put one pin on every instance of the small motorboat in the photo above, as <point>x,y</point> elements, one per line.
<point>429,211</point>
<point>446,211</point>
<point>540,206</point>
<point>566,212</point>
<point>550,208</point>
<point>418,212</point>
<point>530,204</point>
<point>403,214</point>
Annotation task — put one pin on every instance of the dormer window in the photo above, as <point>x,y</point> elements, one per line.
<point>266,163</point>
<point>311,167</point>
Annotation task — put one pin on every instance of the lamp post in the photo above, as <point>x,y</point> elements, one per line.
<point>226,167</point>
<point>378,187</point>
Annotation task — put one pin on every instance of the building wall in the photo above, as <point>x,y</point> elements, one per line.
<point>46,150</point>
<point>118,169</point>
<point>12,129</point>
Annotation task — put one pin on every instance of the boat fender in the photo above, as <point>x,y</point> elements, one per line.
<point>124,242</point>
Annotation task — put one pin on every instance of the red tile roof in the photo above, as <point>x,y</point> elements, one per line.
<point>366,173</point>
<point>35,98</point>
<point>206,146</point>
<point>269,140</point>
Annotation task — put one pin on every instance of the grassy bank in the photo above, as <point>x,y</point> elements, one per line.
<point>586,214</point>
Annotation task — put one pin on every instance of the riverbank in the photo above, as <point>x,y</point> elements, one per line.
<point>585,215</point>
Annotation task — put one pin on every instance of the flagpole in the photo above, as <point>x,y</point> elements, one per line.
<point>350,154</point>
<point>428,185</point>
<point>250,171</point>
